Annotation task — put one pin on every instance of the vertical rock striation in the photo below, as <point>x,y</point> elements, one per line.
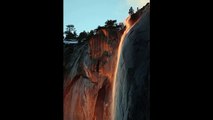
<point>132,82</point>
<point>88,73</point>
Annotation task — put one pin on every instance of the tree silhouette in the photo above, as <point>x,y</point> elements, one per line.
<point>75,34</point>
<point>110,23</point>
<point>70,28</point>
<point>131,11</point>
<point>120,25</point>
<point>90,34</point>
<point>70,32</point>
<point>82,35</point>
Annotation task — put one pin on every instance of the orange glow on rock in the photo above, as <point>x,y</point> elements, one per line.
<point>129,24</point>
<point>105,32</point>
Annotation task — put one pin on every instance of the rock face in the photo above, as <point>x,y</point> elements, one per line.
<point>88,73</point>
<point>132,83</point>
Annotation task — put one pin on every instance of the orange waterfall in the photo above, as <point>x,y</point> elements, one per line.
<point>129,24</point>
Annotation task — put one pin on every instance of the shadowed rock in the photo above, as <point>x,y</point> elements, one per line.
<point>88,73</point>
<point>132,84</point>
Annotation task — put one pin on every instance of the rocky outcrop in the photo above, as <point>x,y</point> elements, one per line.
<point>88,73</point>
<point>132,83</point>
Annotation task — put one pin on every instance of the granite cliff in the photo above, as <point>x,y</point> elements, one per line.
<point>89,73</point>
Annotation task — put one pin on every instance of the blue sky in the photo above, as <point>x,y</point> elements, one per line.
<point>88,14</point>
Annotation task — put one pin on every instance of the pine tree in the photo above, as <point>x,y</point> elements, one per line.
<point>70,32</point>
<point>131,11</point>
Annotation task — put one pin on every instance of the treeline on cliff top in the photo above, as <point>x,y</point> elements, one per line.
<point>70,33</point>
